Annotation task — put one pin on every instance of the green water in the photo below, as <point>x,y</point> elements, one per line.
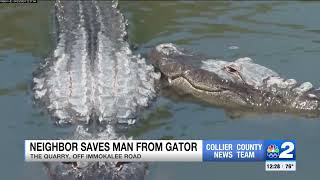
<point>281,35</point>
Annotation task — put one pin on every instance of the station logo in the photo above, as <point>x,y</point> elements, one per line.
<point>273,151</point>
<point>280,150</point>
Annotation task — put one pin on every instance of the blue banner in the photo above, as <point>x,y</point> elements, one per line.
<point>248,150</point>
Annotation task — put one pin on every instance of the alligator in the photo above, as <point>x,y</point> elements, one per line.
<point>94,83</point>
<point>241,84</point>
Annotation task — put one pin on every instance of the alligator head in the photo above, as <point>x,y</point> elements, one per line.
<point>239,84</point>
<point>93,82</point>
<point>96,170</point>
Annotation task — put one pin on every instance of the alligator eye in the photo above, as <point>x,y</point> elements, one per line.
<point>231,69</point>
<point>234,70</point>
<point>74,165</point>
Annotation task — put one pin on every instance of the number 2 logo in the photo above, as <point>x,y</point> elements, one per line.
<point>288,152</point>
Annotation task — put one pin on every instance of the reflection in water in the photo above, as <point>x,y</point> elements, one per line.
<point>265,8</point>
<point>18,88</point>
<point>4,92</point>
<point>153,120</point>
<point>26,27</point>
<point>173,20</point>
<point>197,20</point>
<point>167,137</point>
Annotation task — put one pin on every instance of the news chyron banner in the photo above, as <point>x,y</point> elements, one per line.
<point>278,155</point>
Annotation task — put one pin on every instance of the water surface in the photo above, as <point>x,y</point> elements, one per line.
<point>283,36</point>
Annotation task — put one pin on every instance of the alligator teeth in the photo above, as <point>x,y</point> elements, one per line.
<point>169,80</point>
